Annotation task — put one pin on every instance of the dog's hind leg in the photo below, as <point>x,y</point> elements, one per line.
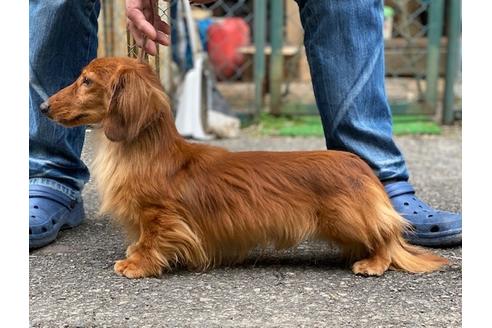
<point>359,242</point>
<point>375,265</point>
<point>371,230</point>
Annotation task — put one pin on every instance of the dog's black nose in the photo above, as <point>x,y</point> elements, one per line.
<point>45,107</point>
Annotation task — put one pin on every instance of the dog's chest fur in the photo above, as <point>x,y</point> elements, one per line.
<point>117,181</point>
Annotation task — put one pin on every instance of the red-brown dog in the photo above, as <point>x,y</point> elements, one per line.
<point>199,206</point>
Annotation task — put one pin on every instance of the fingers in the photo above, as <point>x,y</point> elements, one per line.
<point>140,23</point>
<point>150,46</point>
<point>163,38</point>
<point>163,31</point>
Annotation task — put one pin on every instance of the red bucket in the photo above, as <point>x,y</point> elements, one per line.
<point>225,37</point>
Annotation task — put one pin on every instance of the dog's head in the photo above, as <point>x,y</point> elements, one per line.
<point>121,95</point>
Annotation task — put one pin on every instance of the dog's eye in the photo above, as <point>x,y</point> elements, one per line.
<point>86,81</point>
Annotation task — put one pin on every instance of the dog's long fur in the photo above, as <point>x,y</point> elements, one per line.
<point>200,206</point>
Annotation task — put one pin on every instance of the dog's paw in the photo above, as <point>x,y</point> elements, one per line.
<point>368,267</point>
<point>129,269</point>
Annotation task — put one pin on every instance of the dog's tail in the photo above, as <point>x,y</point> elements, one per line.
<point>412,258</point>
<point>404,256</point>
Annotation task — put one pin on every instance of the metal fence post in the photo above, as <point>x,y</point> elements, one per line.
<point>259,56</point>
<point>435,25</point>
<point>454,29</point>
<point>276,57</point>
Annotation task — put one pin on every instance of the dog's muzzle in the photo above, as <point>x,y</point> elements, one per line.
<point>45,107</point>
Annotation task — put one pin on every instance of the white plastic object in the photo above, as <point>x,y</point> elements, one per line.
<point>189,122</point>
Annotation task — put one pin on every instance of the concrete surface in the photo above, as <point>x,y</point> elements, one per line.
<point>72,283</point>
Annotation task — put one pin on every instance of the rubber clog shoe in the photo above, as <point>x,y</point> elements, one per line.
<point>431,227</point>
<point>49,212</point>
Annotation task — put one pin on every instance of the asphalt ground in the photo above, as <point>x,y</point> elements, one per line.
<point>72,283</point>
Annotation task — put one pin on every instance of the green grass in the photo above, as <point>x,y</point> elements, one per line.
<point>306,126</point>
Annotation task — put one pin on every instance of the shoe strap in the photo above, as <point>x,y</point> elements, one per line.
<point>51,194</point>
<point>399,188</point>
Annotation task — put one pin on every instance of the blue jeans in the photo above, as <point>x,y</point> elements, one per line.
<point>345,49</point>
<point>62,40</point>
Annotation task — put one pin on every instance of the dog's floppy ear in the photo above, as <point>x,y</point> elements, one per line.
<point>129,107</point>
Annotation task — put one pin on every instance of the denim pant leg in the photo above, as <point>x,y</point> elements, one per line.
<point>62,40</point>
<point>345,50</point>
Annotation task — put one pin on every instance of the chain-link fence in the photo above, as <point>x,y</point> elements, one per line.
<point>258,58</point>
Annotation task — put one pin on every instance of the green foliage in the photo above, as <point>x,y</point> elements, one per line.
<point>306,126</point>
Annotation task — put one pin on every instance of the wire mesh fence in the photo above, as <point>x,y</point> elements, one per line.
<point>231,36</point>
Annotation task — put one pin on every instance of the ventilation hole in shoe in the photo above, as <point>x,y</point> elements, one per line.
<point>53,222</point>
<point>420,206</point>
<point>33,216</point>
<point>36,206</point>
<point>30,231</point>
<point>406,204</point>
<point>44,229</point>
<point>415,212</point>
<point>414,198</point>
<point>430,215</point>
<point>434,228</point>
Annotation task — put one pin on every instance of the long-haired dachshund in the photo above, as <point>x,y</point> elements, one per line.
<point>199,206</point>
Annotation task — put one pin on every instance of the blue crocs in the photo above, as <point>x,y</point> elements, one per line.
<point>49,211</point>
<point>431,227</point>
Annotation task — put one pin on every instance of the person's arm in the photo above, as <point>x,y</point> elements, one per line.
<point>141,23</point>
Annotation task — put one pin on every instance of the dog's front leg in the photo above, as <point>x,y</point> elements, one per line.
<point>133,231</point>
<point>130,249</point>
<point>164,240</point>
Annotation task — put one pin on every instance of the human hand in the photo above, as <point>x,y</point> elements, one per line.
<point>144,22</point>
